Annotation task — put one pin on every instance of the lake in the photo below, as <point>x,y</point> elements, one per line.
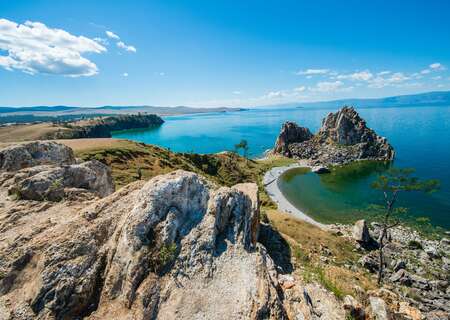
<point>420,136</point>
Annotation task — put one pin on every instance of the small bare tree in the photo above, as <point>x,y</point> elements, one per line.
<point>243,144</point>
<point>394,182</point>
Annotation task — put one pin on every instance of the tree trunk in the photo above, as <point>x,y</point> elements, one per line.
<point>381,256</point>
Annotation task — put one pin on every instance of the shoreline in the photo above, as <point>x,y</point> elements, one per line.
<point>270,182</point>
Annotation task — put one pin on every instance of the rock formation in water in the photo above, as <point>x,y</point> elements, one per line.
<point>291,133</point>
<point>343,137</point>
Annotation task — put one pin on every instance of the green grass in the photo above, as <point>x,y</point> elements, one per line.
<point>226,169</point>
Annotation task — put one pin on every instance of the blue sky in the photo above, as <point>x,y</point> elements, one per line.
<point>219,53</point>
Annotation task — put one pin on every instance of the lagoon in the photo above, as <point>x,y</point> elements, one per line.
<point>420,136</point>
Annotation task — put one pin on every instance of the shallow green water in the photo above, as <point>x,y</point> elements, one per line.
<point>345,195</point>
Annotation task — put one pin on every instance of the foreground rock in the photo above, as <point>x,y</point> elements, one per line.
<point>48,171</point>
<point>36,153</point>
<point>173,247</point>
<point>343,137</point>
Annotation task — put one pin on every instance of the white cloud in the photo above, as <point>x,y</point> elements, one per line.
<point>125,74</point>
<point>436,66</point>
<point>357,76</point>
<point>275,94</point>
<point>300,89</point>
<point>237,92</point>
<point>425,71</point>
<point>437,78</point>
<point>128,48</point>
<point>383,73</point>
<point>112,35</point>
<point>34,48</point>
<point>394,79</point>
<point>310,72</point>
<point>102,41</point>
<point>326,86</point>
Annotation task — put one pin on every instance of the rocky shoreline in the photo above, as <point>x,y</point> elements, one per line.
<point>417,269</point>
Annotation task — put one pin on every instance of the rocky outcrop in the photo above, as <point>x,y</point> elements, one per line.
<point>47,171</point>
<point>33,154</point>
<point>417,274</point>
<point>173,247</point>
<point>361,232</point>
<point>291,133</point>
<point>343,137</point>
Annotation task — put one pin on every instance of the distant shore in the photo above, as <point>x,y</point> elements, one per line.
<point>270,182</point>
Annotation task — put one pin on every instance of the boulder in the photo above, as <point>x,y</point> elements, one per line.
<point>320,169</point>
<point>361,232</point>
<point>408,310</point>
<point>290,133</point>
<point>398,265</point>
<point>369,262</point>
<point>378,309</point>
<point>353,308</point>
<point>49,182</point>
<point>36,153</point>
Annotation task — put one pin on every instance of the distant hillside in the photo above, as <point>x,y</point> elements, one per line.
<point>106,110</point>
<point>437,98</point>
<point>36,109</point>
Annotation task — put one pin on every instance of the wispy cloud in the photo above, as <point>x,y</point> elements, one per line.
<point>329,86</point>
<point>365,75</point>
<point>437,66</point>
<point>120,44</point>
<point>392,79</point>
<point>34,48</point>
<point>312,72</point>
<point>112,35</point>
<point>125,74</point>
<point>128,48</point>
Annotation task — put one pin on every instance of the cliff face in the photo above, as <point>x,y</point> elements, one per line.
<point>342,138</point>
<point>173,247</point>
<point>102,127</point>
<point>291,133</point>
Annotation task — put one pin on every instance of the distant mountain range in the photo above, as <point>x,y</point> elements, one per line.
<point>65,110</point>
<point>436,98</point>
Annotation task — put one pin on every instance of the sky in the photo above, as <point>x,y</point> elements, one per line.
<point>219,53</point>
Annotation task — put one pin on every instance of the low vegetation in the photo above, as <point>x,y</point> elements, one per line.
<point>131,161</point>
<point>321,256</point>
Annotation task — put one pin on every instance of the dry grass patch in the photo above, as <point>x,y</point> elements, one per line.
<point>26,132</point>
<point>321,256</point>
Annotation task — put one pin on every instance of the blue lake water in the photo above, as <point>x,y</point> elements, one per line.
<point>420,136</point>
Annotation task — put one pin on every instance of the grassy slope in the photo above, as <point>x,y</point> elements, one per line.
<point>125,157</point>
<point>309,243</point>
<point>26,132</point>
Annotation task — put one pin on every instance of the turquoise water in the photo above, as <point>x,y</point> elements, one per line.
<point>420,136</point>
